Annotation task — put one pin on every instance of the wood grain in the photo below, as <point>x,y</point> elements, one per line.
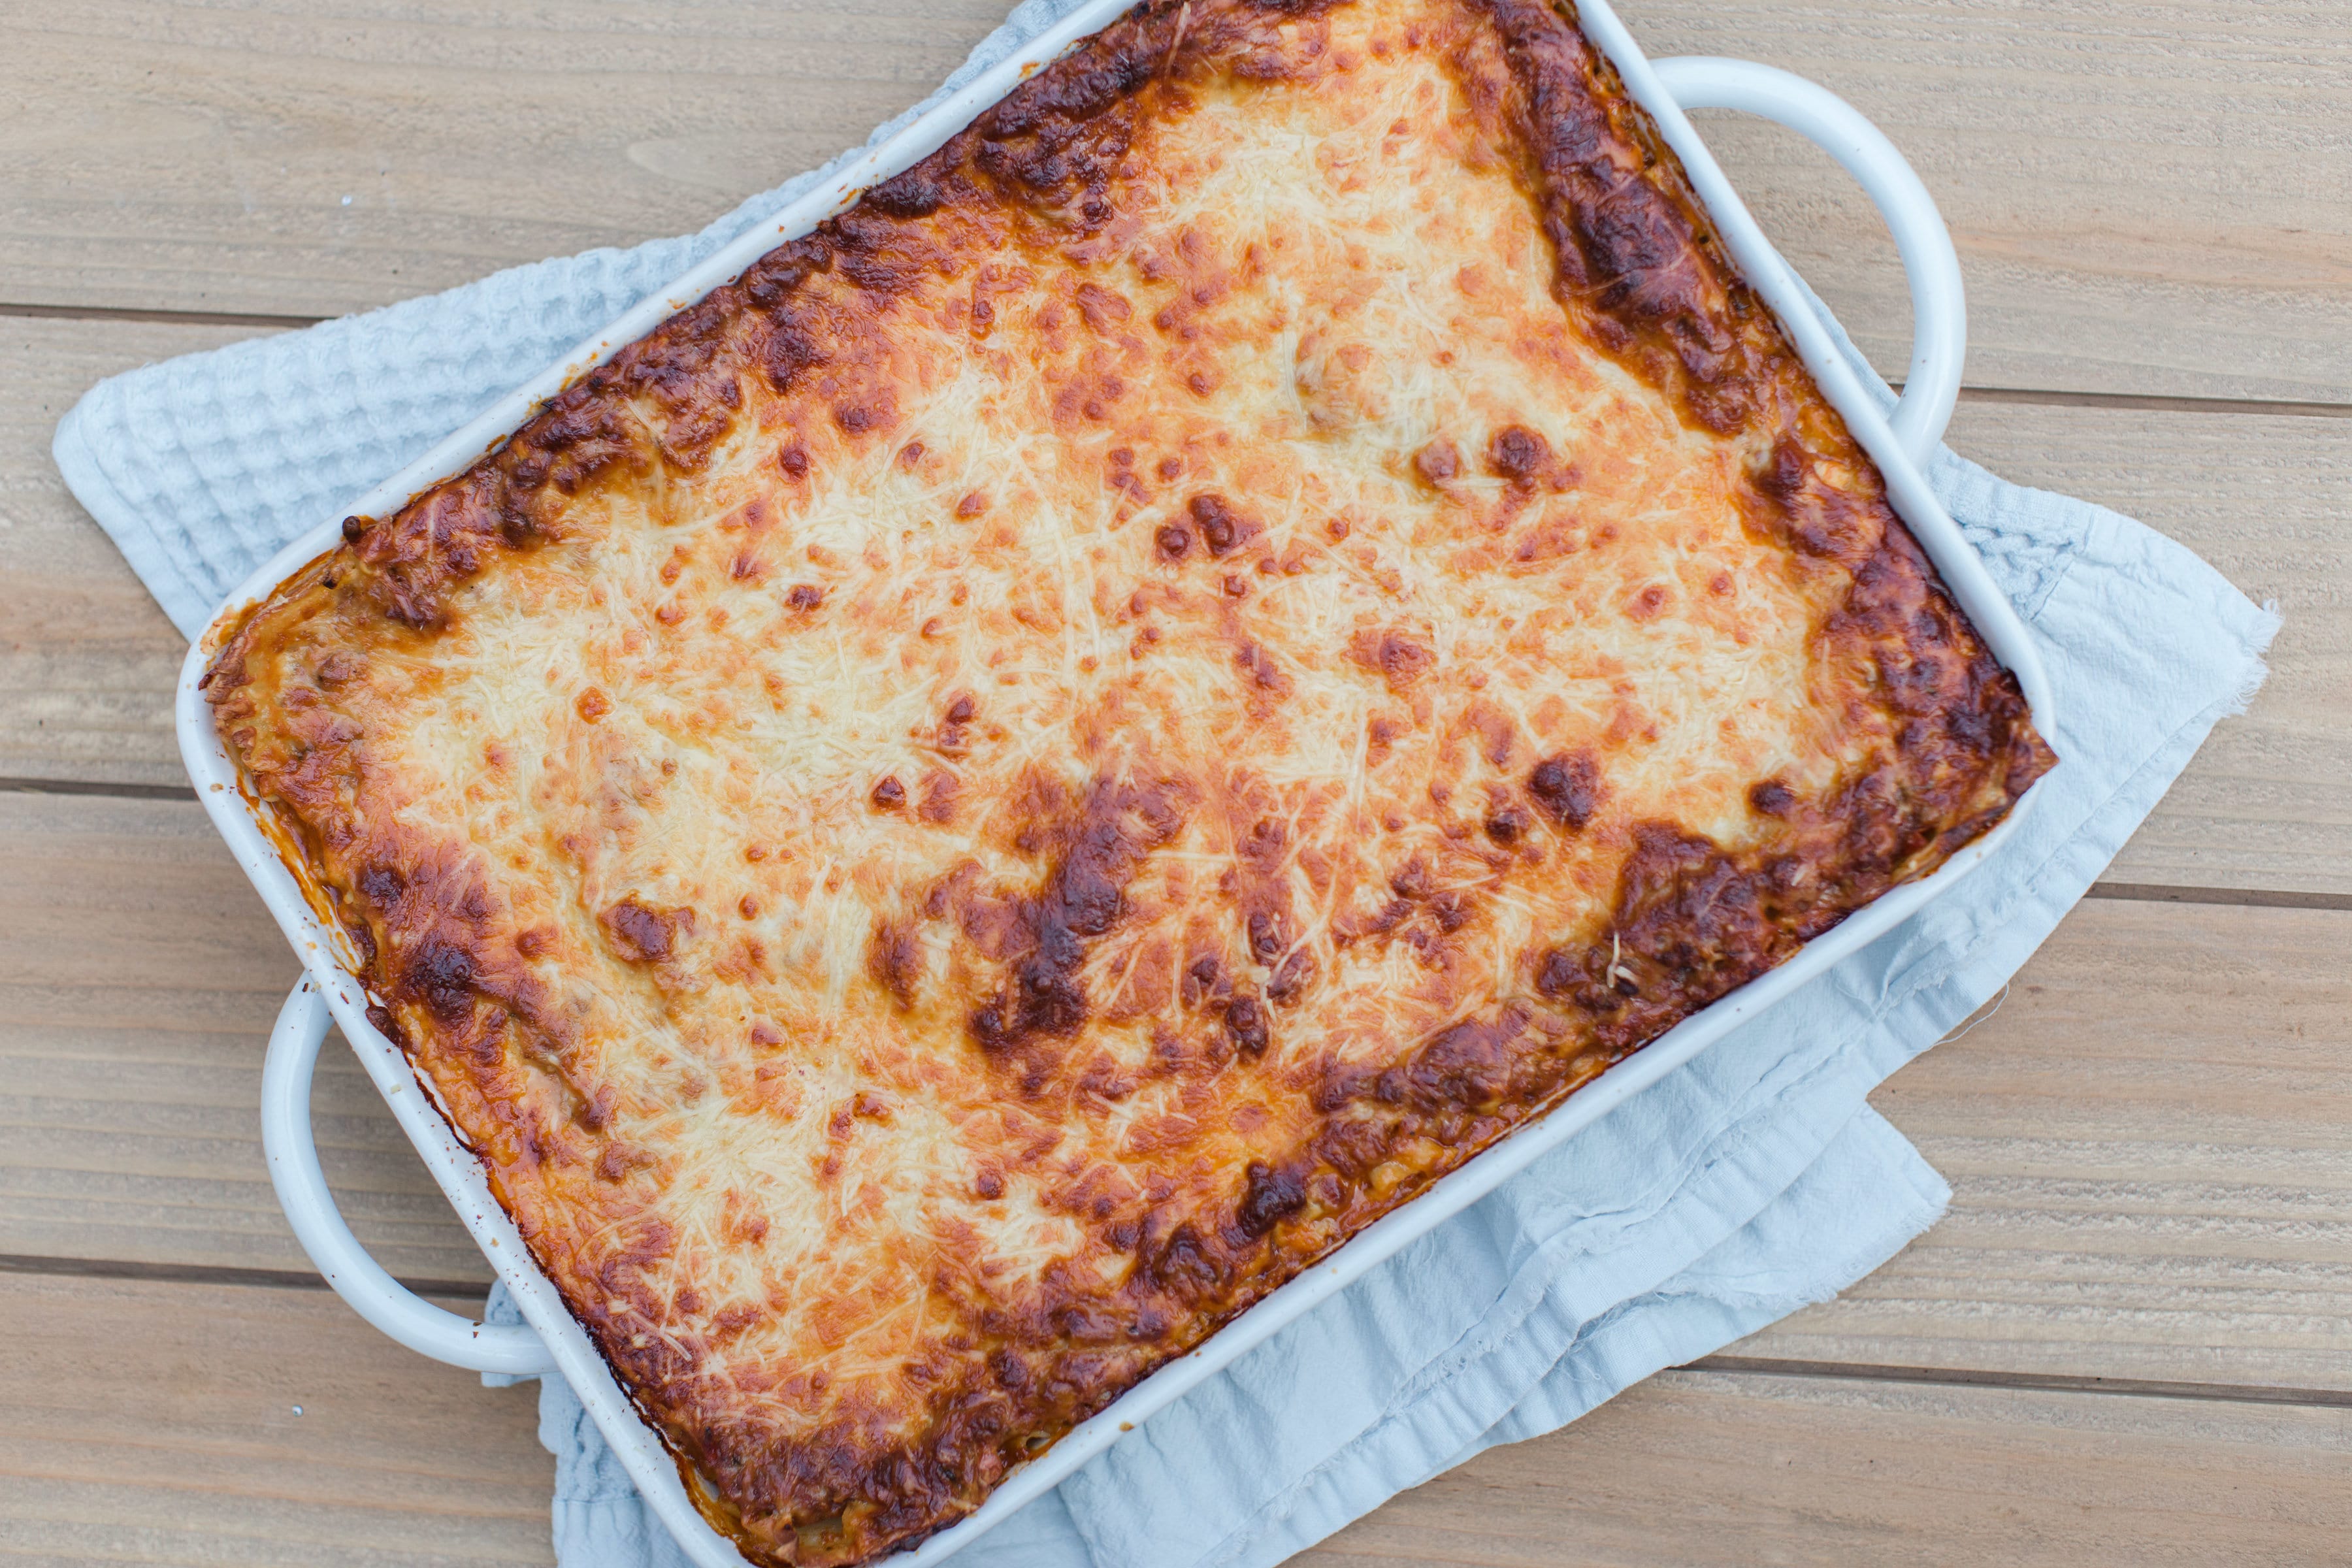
<point>2266,500</point>
<point>2148,196</point>
<point>138,977</point>
<point>2151,1144</point>
<point>1731,1471</point>
<point>87,659</point>
<point>2150,1152</point>
<point>86,662</point>
<point>158,1424</point>
<point>325,158</point>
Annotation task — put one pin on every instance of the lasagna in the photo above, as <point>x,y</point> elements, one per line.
<point>985,795</point>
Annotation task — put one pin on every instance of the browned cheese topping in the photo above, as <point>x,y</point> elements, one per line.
<point>977,800</point>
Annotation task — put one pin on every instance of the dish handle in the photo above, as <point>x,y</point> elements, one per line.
<point>1939,318</point>
<point>363,1282</point>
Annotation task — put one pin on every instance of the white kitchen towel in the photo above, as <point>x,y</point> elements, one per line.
<point>1751,1181</point>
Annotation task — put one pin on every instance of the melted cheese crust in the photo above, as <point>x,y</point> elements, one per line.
<point>977,800</point>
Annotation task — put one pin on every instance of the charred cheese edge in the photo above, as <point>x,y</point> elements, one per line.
<point>981,797</point>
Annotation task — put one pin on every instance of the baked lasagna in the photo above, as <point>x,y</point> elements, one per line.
<point>982,797</point>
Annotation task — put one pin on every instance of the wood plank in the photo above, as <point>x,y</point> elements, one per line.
<point>2150,196</point>
<point>2262,498</point>
<point>2147,196</point>
<point>139,977</point>
<point>86,662</point>
<point>326,158</point>
<point>2151,1143</point>
<point>87,659</point>
<point>2150,1152</point>
<point>1696,1468</point>
<point>158,1424</point>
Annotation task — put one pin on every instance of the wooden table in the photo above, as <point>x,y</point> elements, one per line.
<point>2129,1339</point>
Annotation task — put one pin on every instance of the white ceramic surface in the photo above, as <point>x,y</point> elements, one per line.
<point>302,1192</point>
<point>332,992</point>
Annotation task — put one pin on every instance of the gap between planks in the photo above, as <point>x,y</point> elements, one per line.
<point>176,317</point>
<point>98,787</point>
<point>215,1274</point>
<point>2259,898</point>
<point>2154,402</point>
<point>1772,1366</point>
<point>2030,1381</point>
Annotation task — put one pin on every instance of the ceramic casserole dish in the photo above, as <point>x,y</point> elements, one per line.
<point>1013,1008</point>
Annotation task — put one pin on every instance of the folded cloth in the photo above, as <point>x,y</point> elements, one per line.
<point>1749,1183</point>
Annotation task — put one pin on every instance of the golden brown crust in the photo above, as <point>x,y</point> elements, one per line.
<point>975,801</point>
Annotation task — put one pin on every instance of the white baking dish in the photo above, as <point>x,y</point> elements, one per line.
<point>553,1341</point>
